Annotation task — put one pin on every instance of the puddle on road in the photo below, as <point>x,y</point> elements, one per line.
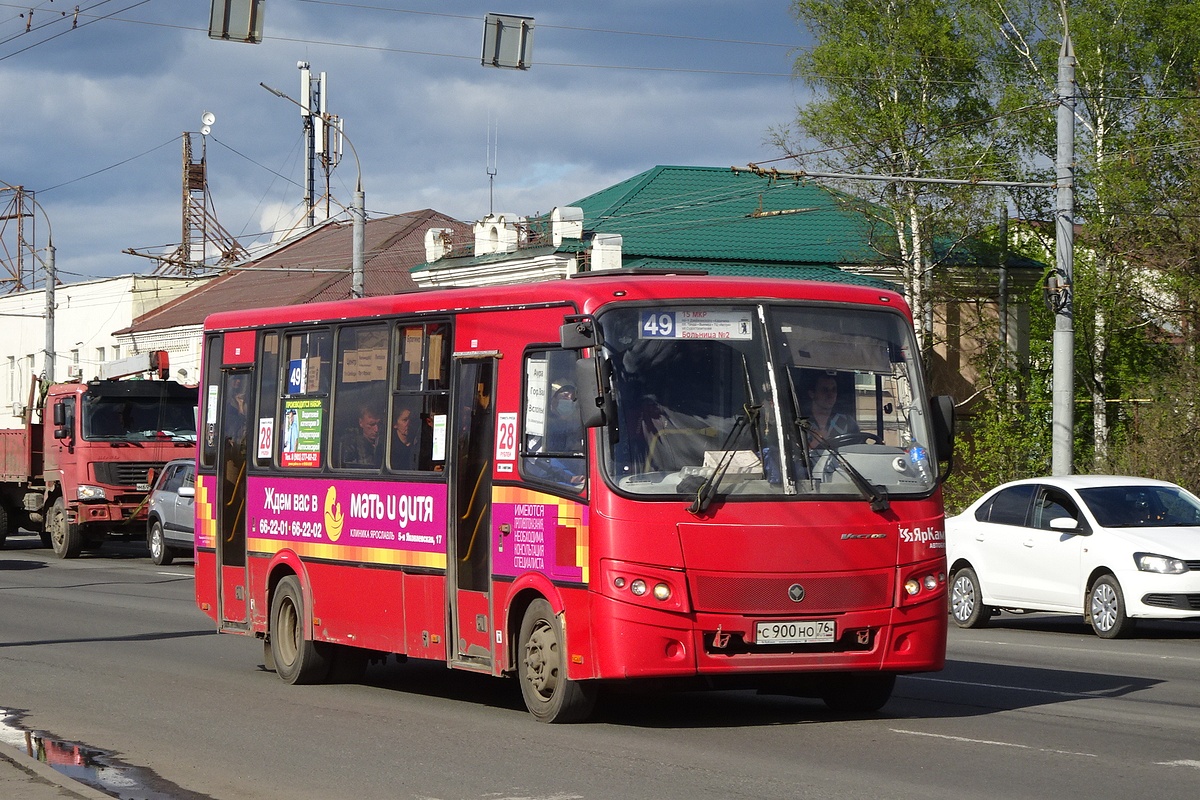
<point>96,768</point>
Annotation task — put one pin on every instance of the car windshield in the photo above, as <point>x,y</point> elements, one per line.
<point>1141,506</point>
<point>778,399</point>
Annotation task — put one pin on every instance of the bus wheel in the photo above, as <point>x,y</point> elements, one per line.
<point>548,694</point>
<point>297,659</point>
<point>65,538</point>
<point>858,693</point>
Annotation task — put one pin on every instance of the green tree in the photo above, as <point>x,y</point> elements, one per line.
<point>1134,58</point>
<point>899,91</point>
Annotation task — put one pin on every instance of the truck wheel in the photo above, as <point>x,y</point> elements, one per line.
<point>3,524</point>
<point>65,538</point>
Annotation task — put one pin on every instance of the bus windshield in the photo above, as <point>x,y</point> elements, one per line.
<point>756,400</point>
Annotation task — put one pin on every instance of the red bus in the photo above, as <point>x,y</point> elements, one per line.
<point>713,481</point>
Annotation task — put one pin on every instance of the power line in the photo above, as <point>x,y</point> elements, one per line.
<point>111,166</point>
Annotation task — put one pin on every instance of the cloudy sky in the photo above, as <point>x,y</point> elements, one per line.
<point>95,105</point>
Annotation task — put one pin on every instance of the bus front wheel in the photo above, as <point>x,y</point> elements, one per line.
<point>549,695</point>
<point>296,658</point>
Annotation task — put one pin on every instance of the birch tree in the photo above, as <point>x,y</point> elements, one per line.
<point>899,92</point>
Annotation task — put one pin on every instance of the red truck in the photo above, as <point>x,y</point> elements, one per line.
<point>80,469</point>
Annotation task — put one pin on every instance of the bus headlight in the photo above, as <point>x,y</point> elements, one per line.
<point>86,492</point>
<point>660,588</point>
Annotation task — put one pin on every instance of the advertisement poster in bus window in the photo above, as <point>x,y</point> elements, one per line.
<point>301,434</point>
<point>373,516</point>
<point>536,397</point>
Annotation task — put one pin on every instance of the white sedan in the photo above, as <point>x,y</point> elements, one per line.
<point>1112,548</point>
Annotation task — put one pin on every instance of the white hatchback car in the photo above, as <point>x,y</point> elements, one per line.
<point>1112,548</point>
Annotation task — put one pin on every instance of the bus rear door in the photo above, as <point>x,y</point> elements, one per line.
<point>232,442</point>
<point>469,561</point>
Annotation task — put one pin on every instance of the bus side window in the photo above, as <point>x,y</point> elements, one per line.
<point>360,397</point>
<point>416,432</point>
<point>552,440</point>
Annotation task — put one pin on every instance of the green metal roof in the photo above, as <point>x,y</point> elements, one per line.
<point>829,273</point>
<point>716,213</point>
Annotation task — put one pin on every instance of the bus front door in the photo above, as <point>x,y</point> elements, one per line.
<point>469,562</point>
<point>232,589</point>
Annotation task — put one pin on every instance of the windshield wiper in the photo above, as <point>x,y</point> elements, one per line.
<point>875,495</point>
<point>708,489</point>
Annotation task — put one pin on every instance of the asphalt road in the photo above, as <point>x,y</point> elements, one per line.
<point>109,652</point>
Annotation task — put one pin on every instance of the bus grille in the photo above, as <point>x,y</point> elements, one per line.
<point>823,594</point>
<point>126,473</point>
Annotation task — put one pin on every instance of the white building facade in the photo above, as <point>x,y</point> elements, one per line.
<point>86,316</point>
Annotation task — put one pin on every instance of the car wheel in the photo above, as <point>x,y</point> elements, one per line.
<point>966,601</point>
<point>159,552</point>
<point>65,538</point>
<point>1106,609</point>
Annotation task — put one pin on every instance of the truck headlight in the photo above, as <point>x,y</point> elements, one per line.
<point>86,492</point>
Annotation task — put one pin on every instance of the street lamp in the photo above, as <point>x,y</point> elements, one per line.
<point>358,212</point>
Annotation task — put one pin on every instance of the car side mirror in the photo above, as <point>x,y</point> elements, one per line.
<point>187,491</point>
<point>1068,525</point>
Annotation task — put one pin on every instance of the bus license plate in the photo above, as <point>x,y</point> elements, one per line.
<point>809,631</point>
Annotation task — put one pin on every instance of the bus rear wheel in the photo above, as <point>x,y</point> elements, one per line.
<point>297,660</point>
<point>549,695</point>
<point>66,538</point>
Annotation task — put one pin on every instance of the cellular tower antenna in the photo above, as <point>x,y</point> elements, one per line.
<point>490,157</point>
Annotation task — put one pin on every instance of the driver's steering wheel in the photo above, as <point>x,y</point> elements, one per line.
<point>853,437</point>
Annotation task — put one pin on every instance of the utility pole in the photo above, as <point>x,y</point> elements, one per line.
<point>1063,414</point>
<point>51,279</point>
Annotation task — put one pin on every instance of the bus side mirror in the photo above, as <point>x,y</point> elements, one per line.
<point>591,383</point>
<point>579,332</point>
<point>943,429</point>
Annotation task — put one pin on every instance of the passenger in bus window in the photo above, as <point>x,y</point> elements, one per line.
<point>563,441</point>
<point>405,444</point>
<point>825,422</point>
<point>364,448</point>
<point>564,428</point>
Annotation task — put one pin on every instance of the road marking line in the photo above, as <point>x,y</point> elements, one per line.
<point>1186,762</point>
<point>1001,686</point>
<point>1084,650</point>
<point>994,743</point>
